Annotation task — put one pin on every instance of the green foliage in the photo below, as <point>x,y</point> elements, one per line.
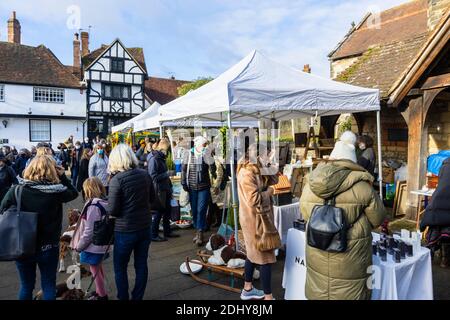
<point>185,88</point>
<point>345,125</point>
<point>169,161</point>
<point>348,73</point>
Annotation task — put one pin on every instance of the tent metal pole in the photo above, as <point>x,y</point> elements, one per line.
<point>161,133</point>
<point>233,181</point>
<point>380,159</point>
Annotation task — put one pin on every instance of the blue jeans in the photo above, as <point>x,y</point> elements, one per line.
<point>199,205</point>
<point>125,243</point>
<point>74,175</point>
<point>47,261</point>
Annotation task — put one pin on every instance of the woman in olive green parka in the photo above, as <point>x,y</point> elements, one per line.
<point>342,276</point>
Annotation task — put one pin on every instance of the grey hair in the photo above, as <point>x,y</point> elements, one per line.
<point>122,158</point>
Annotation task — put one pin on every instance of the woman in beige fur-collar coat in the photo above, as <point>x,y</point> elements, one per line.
<point>254,190</point>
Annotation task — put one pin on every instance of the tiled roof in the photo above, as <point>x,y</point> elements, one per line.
<point>380,67</point>
<point>396,24</point>
<point>162,90</point>
<point>137,53</point>
<point>34,66</point>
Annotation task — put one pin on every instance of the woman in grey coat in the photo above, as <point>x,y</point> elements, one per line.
<point>98,165</point>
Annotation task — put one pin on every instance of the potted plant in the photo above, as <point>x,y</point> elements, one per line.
<point>170,164</point>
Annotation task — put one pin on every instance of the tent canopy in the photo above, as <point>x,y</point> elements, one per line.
<point>257,87</point>
<point>152,110</point>
<point>152,118</point>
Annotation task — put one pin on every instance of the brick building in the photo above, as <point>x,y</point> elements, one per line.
<point>404,52</point>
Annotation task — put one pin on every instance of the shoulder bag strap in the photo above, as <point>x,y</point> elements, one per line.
<point>18,194</point>
<point>100,207</point>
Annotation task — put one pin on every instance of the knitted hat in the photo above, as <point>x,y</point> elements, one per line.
<point>345,147</point>
<point>199,141</point>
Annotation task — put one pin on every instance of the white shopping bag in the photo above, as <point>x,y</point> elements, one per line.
<point>184,198</point>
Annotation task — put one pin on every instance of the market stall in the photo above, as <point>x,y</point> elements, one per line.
<point>130,124</point>
<point>259,88</point>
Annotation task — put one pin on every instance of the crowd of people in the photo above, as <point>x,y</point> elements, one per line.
<point>133,186</point>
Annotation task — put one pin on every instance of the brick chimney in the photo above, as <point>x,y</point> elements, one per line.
<point>84,43</point>
<point>436,9</point>
<point>307,68</point>
<point>13,29</point>
<point>76,54</point>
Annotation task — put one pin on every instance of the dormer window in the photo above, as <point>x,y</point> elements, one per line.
<point>117,65</point>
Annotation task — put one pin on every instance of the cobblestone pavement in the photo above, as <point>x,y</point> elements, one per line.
<point>166,281</point>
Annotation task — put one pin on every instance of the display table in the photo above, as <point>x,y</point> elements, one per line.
<point>426,194</point>
<point>284,217</point>
<point>410,279</point>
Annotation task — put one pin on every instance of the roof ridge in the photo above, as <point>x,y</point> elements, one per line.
<point>396,7</point>
<point>153,77</point>
<point>396,19</point>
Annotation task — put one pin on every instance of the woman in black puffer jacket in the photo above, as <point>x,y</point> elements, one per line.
<point>130,195</point>
<point>157,169</point>
<point>45,189</point>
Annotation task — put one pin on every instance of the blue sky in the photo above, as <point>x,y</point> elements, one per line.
<point>195,38</point>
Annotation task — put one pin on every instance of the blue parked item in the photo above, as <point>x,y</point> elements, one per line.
<point>225,230</point>
<point>435,161</point>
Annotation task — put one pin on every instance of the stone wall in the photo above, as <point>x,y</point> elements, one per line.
<point>390,119</point>
<point>341,65</point>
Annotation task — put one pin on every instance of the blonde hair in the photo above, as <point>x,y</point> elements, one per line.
<point>43,151</point>
<point>163,144</point>
<point>122,158</point>
<point>42,168</point>
<point>93,188</point>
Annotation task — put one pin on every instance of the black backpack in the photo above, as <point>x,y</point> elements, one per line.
<point>327,227</point>
<point>103,228</point>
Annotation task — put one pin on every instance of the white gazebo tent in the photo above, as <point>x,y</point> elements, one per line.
<point>151,111</point>
<point>259,88</point>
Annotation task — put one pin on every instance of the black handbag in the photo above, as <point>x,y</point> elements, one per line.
<point>327,228</point>
<point>103,228</point>
<point>18,230</point>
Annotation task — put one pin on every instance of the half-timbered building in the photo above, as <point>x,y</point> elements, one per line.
<point>115,79</point>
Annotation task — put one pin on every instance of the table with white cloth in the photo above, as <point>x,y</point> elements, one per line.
<point>284,217</point>
<point>411,279</point>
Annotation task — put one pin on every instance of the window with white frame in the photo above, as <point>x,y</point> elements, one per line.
<point>51,95</point>
<point>2,92</point>
<point>40,130</point>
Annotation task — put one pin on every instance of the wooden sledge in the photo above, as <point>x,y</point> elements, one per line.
<point>232,272</point>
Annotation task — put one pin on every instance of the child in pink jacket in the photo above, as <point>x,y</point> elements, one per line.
<point>89,253</point>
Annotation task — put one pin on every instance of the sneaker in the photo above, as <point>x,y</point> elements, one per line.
<point>172,235</point>
<point>253,294</point>
<point>158,239</point>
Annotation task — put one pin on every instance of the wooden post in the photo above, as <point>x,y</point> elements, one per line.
<point>415,131</point>
<point>417,146</point>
